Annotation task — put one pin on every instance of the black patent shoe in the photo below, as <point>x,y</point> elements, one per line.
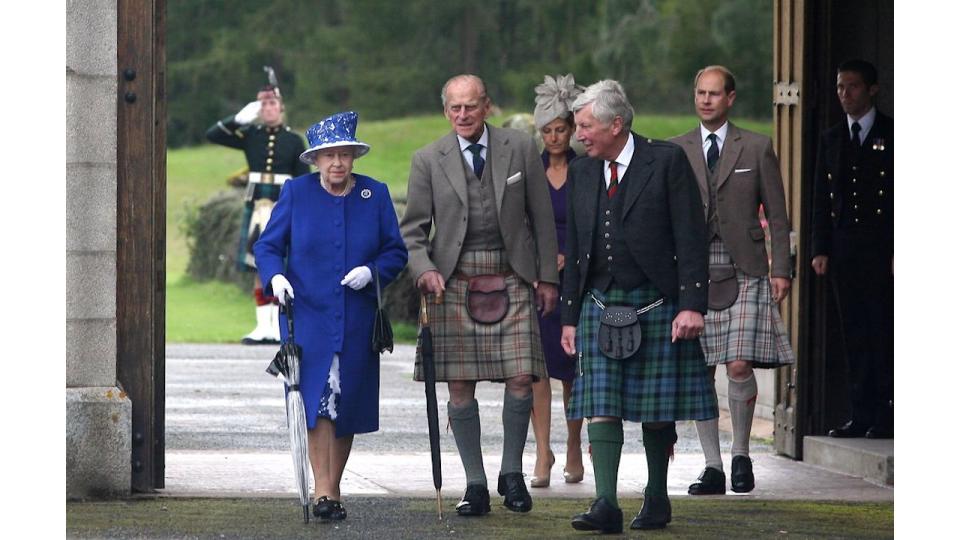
<point>602,517</point>
<point>654,514</point>
<point>741,475</point>
<point>849,430</point>
<point>321,508</point>
<point>337,511</point>
<point>515,495</point>
<point>711,482</point>
<point>475,501</point>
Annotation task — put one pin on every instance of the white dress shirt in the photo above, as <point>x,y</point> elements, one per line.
<point>623,161</point>
<point>721,134</point>
<point>483,141</point>
<point>865,121</point>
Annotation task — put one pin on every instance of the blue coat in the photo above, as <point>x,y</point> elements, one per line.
<point>328,236</point>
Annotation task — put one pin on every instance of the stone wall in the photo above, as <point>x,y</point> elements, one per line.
<point>98,413</point>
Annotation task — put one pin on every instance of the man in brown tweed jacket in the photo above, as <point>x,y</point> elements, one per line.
<point>483,193</point>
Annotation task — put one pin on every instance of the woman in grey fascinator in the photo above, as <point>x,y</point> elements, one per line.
<point>553,117</point>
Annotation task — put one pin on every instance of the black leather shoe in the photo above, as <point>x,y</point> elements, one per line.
<point>654,514</point>
<point>515,495</point>
<point>337,511</point>
<point>741,475</point>
<point>711,482</point>
<point>321,508</point>
<point>879,432</point>
<point>475,501</point>
<point>849,430</point>
<point>602,517</point>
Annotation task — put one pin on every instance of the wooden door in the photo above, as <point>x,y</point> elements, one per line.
<point>141,230</point>
<point>789,66</point>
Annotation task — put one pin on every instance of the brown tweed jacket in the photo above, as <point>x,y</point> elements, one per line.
<point>748,174</point>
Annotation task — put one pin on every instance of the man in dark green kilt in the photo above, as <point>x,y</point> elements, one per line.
<point>273,157</point>
<point>633,298</point>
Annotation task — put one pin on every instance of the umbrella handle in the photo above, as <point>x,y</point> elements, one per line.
<point>287,308</point>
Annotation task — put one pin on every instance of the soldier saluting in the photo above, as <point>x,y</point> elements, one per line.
<point>272,151</point>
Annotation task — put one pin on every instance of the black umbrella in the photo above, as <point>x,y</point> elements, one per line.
<point>286,364</point>
<point>430,387</point>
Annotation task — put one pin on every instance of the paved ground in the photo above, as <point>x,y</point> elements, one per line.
<point>226,436</point>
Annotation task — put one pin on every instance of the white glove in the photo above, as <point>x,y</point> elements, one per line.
<point>281,285</point>
<point>248,113</point>
<point>357,278</point>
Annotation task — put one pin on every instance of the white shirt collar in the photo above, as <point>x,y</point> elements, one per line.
<point>865,121</point>
<point>623,161</point>
<point>483,141</point>
<point>721,134</point>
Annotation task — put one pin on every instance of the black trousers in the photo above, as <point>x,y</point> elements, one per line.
<point>860,265</point>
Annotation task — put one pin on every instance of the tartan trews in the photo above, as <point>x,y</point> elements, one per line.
<point>751,329</point>
<point>662,382</point>
<point>464,350</point>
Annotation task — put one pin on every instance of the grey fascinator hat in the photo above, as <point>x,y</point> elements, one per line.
<point>554,98</point>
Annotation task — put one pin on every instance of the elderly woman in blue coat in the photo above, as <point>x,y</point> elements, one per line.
<point>328,234</point>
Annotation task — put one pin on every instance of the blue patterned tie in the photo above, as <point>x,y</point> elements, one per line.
<point>713,153</point>
<point>477,159</point>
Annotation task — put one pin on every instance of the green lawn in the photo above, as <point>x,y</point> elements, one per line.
<point>215,312</point>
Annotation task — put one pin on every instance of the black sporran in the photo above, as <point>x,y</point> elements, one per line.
<point>619,335</point>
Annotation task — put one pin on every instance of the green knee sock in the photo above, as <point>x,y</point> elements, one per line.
<point>657,444</point>
<point>606,442</point>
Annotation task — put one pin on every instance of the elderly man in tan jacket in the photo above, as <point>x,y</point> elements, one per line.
<point>738,172</point>
<point>483,193</point>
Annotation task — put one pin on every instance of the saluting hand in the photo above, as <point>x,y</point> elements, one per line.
<point>248,113</point>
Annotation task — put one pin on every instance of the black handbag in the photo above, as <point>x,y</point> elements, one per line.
<point>382,331</point>
<point>619,334</point>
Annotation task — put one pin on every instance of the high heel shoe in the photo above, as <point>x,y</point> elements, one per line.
<point>572,478</point>
<point>538,482</point>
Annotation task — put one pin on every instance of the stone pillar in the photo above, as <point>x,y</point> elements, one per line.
<point>98,412</point>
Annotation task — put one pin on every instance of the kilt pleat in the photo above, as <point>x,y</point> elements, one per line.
<point>662,382</point>
<point>751,329</point>
<point>464,350</point>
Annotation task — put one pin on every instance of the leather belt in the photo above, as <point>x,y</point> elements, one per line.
<point>267,178</point>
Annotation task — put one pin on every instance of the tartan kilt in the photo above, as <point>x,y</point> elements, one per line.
<point>250,233</point>
<point>662,382</point>
<point>751,329</point>
<point>464,350</point>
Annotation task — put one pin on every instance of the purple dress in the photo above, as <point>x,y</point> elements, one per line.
<point>559,364</point>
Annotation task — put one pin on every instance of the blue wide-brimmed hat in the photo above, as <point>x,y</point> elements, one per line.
<point>337,130</point>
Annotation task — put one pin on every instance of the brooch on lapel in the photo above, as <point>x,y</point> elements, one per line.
<point>366,193</point>
<point>878,144</point>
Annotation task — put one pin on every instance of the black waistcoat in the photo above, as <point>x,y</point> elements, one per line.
<point>612,264</point>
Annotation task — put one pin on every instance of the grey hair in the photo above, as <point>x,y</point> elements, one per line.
<point>463,77</point>
<point>609,101</point>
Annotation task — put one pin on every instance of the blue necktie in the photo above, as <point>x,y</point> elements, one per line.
<point>477,159</point>
<point>713,153</point>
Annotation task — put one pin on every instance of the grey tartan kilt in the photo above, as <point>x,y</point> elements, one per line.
<point>751,329</point>
<point>464,350</point>
<point>662,382</point>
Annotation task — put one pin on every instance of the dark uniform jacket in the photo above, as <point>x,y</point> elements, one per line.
<point>267,149</point>
<point>854,193</point>
<point>662,220</point>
